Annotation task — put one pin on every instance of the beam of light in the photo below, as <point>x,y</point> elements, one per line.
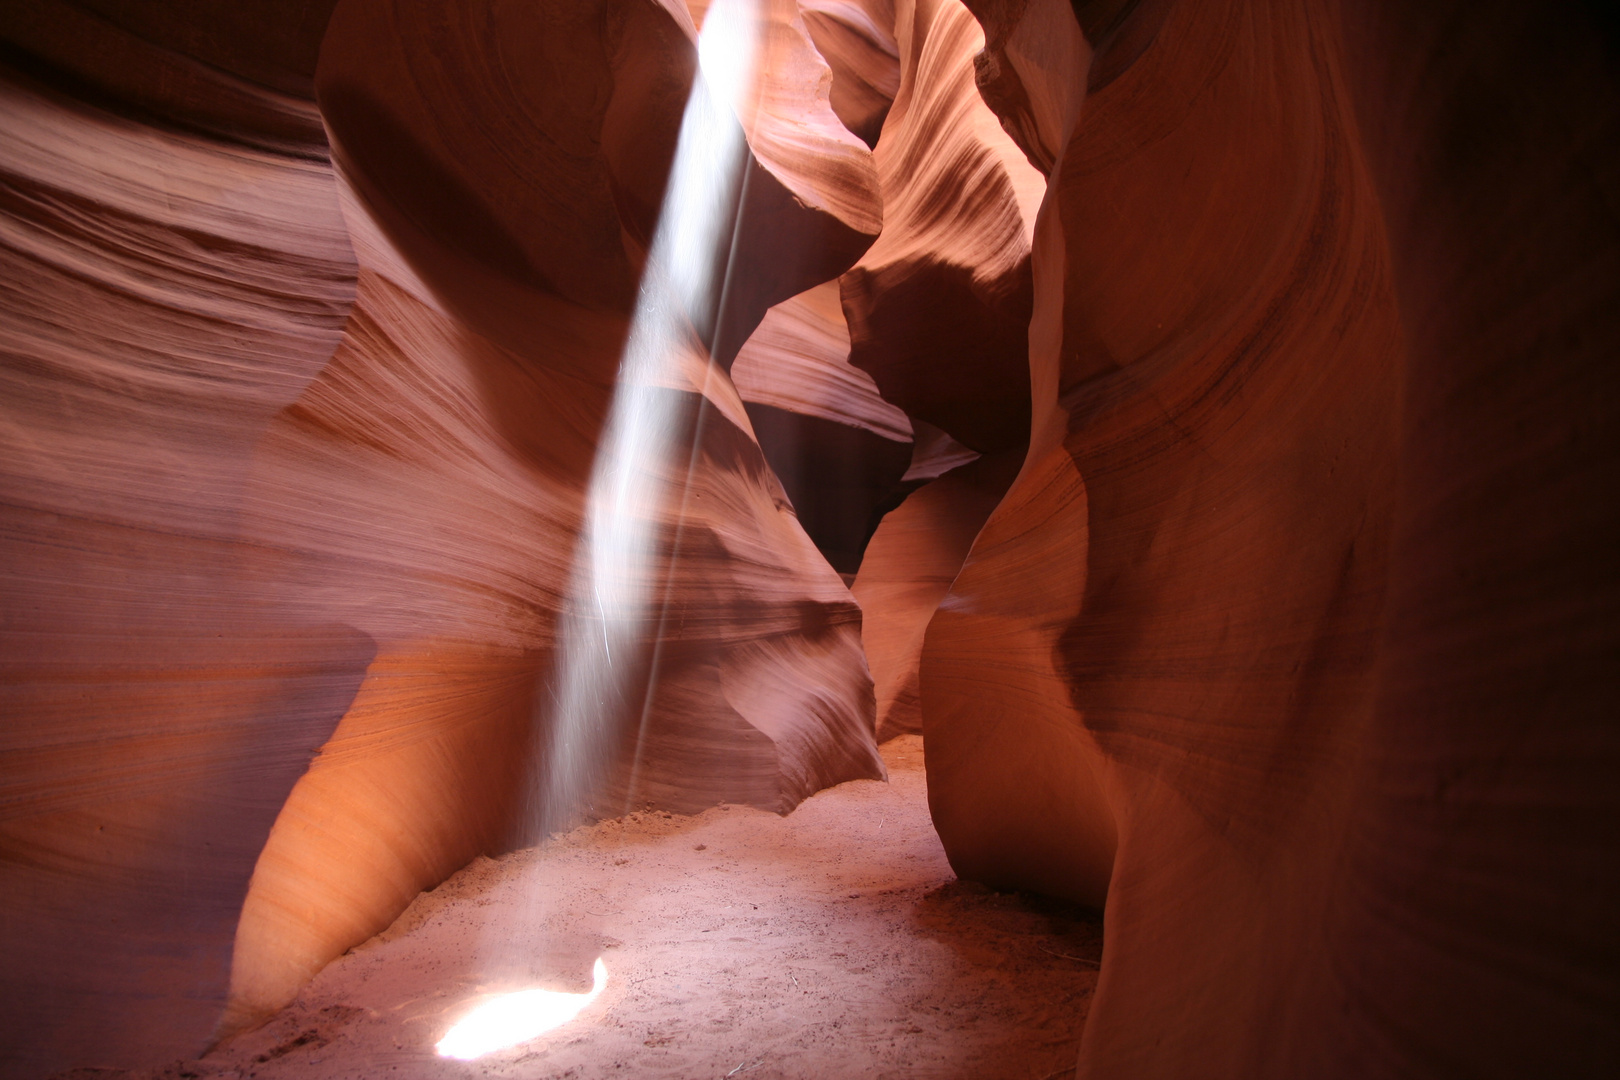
<point>607,626</point>
<point>602,670</point>
<point>516,1018</point>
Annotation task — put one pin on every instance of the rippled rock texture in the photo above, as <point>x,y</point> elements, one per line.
<point>1287,641</point>
<point>297,436</point>
<point>1213,404</point>
<point>939,313</point>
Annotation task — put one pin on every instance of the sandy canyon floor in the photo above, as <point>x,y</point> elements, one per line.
<point>829,944</point>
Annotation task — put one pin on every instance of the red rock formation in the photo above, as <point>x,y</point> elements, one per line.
<point>938,309</point>
<point>1305,552</point>
<point>165,295</point>
<point>857,39</point>
<point>798,361</point>
<point>240,72</point>
<point>209,485</point>
<point>709,735</point>
<point>1472,929</point>
<point>838,448</point>
<point>939,316</point>
<point>1291,640</point>
<point>453,549</point>
<point>913,557</point>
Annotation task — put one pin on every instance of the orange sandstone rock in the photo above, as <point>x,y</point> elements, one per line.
<point>269,490</point>
<point>938,309</point>
<point>1312,336</point>
<point>166,293</point>
<point>857,39</point>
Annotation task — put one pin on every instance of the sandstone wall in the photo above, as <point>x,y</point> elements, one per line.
<point>295,464</point>
<point>1249,367</point>
<point>1302,576</point>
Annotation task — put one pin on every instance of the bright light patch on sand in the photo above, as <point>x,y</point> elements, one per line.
<point>516,1018</point>
<point>611,595</point>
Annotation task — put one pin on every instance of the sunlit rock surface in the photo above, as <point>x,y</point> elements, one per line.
<point>798,361</point>
<point>939,308</point>
<point>938,313</point>
<point>840,450</point>
<point>454,548</point>
<point>294,461</point>
<point>1256,579</point>
<point>856,37</point>
<point>810,205</point>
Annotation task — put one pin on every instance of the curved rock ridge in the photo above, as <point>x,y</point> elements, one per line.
<point>535,140</point>
<point>413,506</point>
<point>938,309</point>
<point>934,453</point>
<point>165,295</point>
<point>499,132</point>
<point>938,312</point>
<point>1204,675</point>
<point>237,72</point>
<point>840,450</point>
<point>857,39</point>
<point>836,446</point>
<point>470,458</point>
<point>798,360</point>
<point>909,565</point>
<point>811,202</point>
<point>1296,597</point>
<point>1260,586</point>
<point>1025,72</point>
<point>794,132</point>
<point>266,491</point>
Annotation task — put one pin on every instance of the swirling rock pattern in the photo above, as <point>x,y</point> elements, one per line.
<point>1277,612</point>
<point>840,450</point>
<point>939,308</point>
<point>939,313</point>
<point>914,555</point>
<point>241,73</point>
<point>1281,583</point>
<point>281,476</point>
<point>165,295</point>
<point>798,361</point>
<point>857,39</point>
<point>452,545</point>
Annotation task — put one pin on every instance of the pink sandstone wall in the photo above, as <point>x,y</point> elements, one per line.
<point>1236,377</point>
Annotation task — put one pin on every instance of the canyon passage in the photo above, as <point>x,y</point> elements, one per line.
<point>492,490</point>
<point>833,942</point>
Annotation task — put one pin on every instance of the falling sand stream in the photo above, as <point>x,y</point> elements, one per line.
<point>831,943</point>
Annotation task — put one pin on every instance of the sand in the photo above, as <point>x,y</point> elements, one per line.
<point>831,943</point>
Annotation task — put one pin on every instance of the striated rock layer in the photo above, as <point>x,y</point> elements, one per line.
<point>292,461</point>
<point>938,312</point>
<point>840,450</point>
<point>939,308</point>
<point>856,37</point>
<point>453,548</point>
<point>1289,639</point>
<point>914,556</point>
<point>165,295</point>
<point>1261,587</point>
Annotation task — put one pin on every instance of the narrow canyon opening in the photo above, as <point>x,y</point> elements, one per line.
<point>687,538</point>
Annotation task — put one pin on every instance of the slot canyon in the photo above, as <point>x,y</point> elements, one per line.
<point>971,539</point>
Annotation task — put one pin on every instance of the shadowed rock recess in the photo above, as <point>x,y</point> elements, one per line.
<point>1199,421</point>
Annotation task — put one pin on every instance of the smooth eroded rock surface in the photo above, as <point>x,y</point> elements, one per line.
<point>297,459</point>
<point>1313,622</point>
<point>938,309</point>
